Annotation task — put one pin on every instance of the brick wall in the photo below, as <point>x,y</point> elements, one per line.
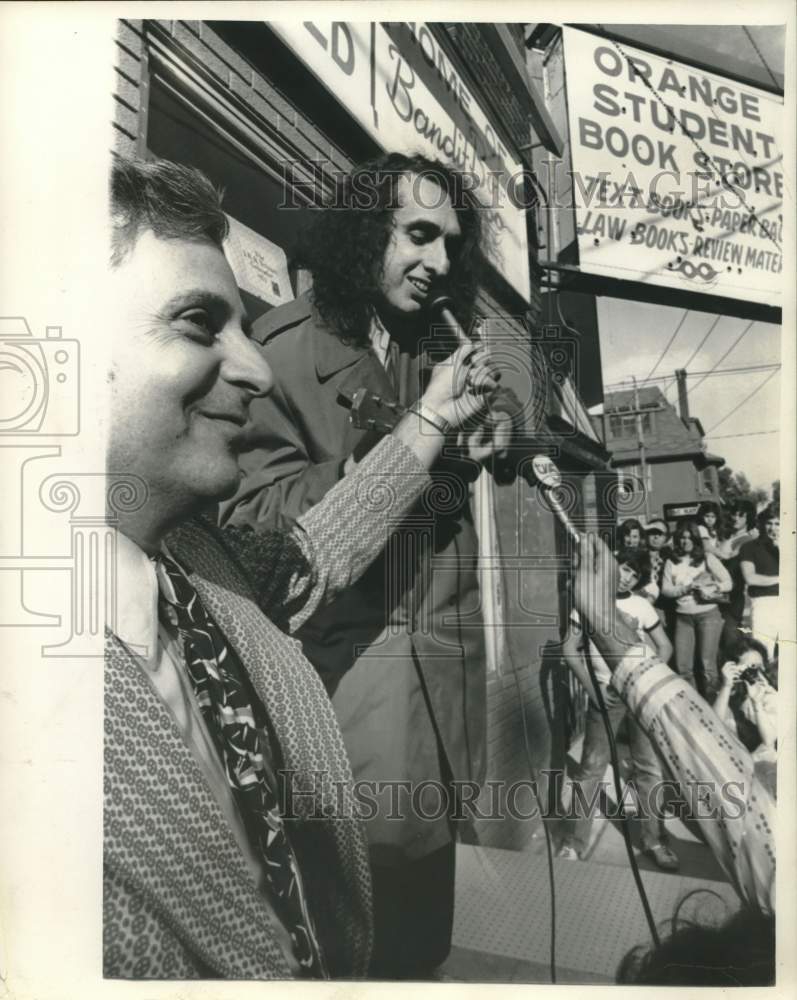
<point>127,93</point>
<point>487,75</point>
<point>240,80</point>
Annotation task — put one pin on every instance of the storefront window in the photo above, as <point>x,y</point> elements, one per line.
<point>253,196</point>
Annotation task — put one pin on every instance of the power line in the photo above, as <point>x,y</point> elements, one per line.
<point>747,434</point>
<point>669,345</point>
<point>705,338</point>
<point>744,333</point>
<point>745,400</point>
<point>713,372</point>
<point>761,57</point>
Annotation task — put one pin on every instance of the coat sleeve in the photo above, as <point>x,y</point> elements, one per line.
<point>332,544</point>
<point>279,480</point>
<point>717,774</point>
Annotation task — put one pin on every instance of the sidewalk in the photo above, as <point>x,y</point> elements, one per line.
<point>502,915</point>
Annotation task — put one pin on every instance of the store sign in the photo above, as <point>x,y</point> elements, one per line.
<point>260,266</point>
<point>674,511</point>
<point>677,172</point>
<point>398,83</point>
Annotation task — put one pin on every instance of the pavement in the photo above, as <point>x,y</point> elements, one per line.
<point>502,920</point>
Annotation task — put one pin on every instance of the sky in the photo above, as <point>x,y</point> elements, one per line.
<point>633,336</point>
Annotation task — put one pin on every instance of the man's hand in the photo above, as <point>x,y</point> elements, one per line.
<point>460,386</point>
<point>491,437</point>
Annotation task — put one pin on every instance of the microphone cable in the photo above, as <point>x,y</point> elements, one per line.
<point>624,819</point>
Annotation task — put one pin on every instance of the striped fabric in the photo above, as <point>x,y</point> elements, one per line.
<point>717,774</point>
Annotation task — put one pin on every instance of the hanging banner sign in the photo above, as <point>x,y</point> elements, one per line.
<point>397,82</point>
<point>677,172</point>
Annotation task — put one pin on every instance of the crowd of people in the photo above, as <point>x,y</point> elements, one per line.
<point>703,598</point>
<point>233,845</point>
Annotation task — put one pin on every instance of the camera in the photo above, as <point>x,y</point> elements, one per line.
<point>40,381</point>
<point>750,675</point>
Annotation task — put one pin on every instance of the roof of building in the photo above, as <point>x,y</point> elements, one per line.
<point>685,442</point>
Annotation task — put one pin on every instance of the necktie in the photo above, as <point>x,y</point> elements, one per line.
<point>237,720</point>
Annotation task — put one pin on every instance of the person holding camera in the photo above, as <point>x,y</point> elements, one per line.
<point>697,581</point>
<point>747,701</point>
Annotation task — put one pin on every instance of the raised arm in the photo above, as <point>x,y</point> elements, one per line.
<point>715,771</point>
<point>334,541</point>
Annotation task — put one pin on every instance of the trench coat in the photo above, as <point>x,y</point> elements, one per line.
<point>401,653</point>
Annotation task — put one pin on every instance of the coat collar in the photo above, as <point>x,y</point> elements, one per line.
<point>361,366</point>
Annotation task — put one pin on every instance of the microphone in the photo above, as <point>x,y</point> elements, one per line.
<point>549,477</point>
<point>441,304</point>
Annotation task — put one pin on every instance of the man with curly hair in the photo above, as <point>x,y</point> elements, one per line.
<point>401,653</point>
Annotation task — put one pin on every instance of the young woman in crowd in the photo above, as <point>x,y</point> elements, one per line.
<point>630,535</point>
<point>695,579</point>
<point>747,703</point>
<point>709,524</point>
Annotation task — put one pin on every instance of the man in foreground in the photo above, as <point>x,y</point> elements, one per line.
<point>216,727</point>
<point>401,653</point>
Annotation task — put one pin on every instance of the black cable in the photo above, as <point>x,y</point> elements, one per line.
<point>761,57</point>
<point>740,405</point>
<point>740,370</point>
<point>669,345</point>
<point>624,823</point>
<point>697,349</point>
<point>534,784</point>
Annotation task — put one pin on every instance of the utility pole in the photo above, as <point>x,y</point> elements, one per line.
<point>641,444</point>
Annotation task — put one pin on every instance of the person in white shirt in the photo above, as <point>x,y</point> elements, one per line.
<point>595,754</point>
<point>696,580</point>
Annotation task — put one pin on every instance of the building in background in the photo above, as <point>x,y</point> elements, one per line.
<point>674,466</point>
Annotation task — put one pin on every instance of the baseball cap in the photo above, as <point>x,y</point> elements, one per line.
<point>656,525</point>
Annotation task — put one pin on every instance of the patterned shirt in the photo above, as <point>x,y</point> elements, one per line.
<point>717,774</point>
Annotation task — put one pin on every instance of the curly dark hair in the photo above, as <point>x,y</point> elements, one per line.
<point>625,529</point>
<point>738,952</point>
<point>344,244</point>
<point>746,507</point>
<point>639,561</point>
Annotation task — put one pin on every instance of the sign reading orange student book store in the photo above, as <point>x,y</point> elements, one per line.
<point>677,172</point>
<point>398,83</point>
